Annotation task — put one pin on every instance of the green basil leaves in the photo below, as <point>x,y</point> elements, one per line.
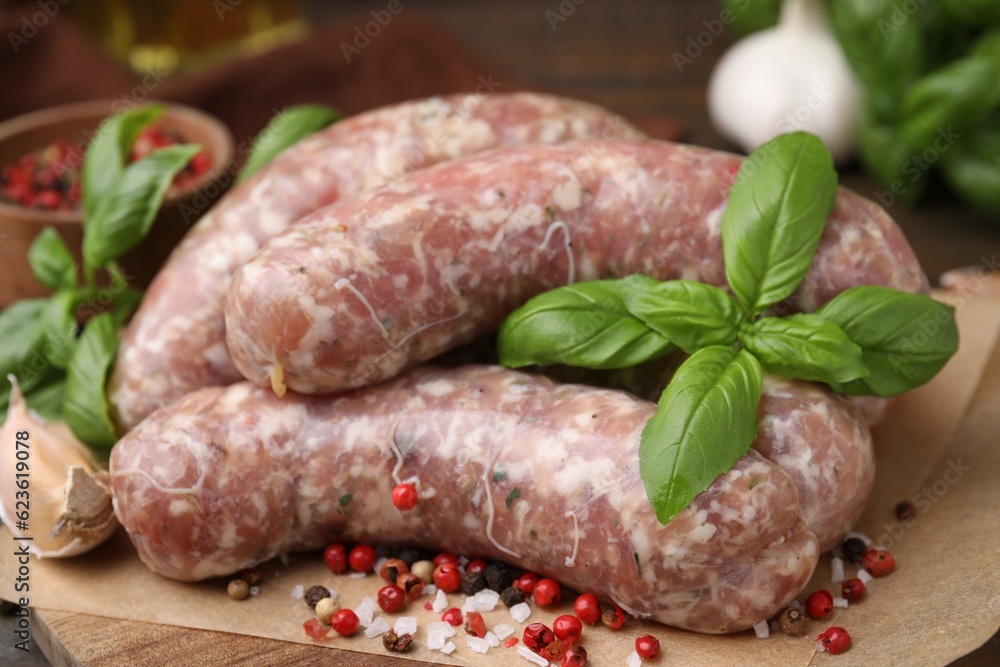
<point>868,340</point>
<point>285,129</point>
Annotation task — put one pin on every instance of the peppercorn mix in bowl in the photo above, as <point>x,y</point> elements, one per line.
<point>41,156</point>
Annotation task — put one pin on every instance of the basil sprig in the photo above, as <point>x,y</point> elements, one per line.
<point>868,340</point>
<point>286,129</point>
<point>62,369</point>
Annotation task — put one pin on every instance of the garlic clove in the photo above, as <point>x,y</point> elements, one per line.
<point>788,78</point>
<point>65,496</point>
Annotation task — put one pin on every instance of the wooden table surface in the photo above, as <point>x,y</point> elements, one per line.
<point>617,53</point>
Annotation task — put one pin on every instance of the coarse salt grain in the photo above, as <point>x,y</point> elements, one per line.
<point>448,648</point>
<point>379,563</point>
<point>864,576</point>
<point>440,602</point>
<point>796,605</point>
<point>379,626</point>
<point>840,602</point>
<point>283,557</point>
<point>469,605</point>
<point>430,589</point>
<point>520,612</point>
<point>530,656</point>
<point>820,647</point>
<point>255,590</point>
<point>365,610</point>
<point>437,633</point>
<point>492,639</point>
<point>476,644</point>
<point>633,660</point>
<point>357,575</point>
<point>297,592</point>
<point>503,630</point>
<point>836,569</point>
<point>486,600</point>
<point>762,630</point>
<point>333,594</point>
<point>405,625</point>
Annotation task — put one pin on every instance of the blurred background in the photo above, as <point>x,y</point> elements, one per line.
<point>906,94</point>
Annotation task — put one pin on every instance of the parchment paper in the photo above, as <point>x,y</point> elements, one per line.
<point>939,448</point>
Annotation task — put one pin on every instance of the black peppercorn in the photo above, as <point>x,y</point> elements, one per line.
<point>792,622</point>
<point>315,594</point>
<point>512,596</point>
<point>498,577</point>
<point>473,582</point>
<point>853,548</point>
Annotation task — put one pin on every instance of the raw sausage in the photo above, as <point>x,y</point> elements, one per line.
<point>176,342</point>
<point>382,281</point>
<point>510,466</point>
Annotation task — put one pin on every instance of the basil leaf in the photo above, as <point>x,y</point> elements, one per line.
<point>108,152</point>
<point>775,216</point>
<point>959,95</point>
<point>706,420</point>
<point>85,406</point>
<point>746,17</point>
<point>21,341</point>
<point>972,166</point>
<point>885,53</point>
<point>286,129</point>
<point>59,324</point>
<point>905,338</point>
<point>690,315</point>
<point>127,212</point>
<point>126,301</point>
<point>51,261</point>
<point>974,12</point>
<point>887,156</point>
<point>807,347</point>
<point>47,399</point>
<point>585,324</point>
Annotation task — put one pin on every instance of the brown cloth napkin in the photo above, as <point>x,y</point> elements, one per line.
<point>409,58</point>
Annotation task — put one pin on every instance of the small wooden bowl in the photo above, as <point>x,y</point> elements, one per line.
<point>77,123</point>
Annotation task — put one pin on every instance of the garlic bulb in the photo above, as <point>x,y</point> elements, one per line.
<point>790,77</point>
<point>51,488</point>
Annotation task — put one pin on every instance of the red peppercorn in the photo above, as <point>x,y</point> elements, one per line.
<point>362,558</point>
<point>878,562</point>
<point>335,557</point>
<point>835,639</point>
<point>647,646</point>
<point>613,617</point>
<point>537,636</point>
<point>587,608</point>
<point>575,656</point>
<point>48,199</point>
<point>446,557</point>
<point>853,590</point>
<point>391,598</point>
<point>568,628</point>
<point>404,496</point>
<point>819,604</point>
<point>447,577</point>
<point>200,163</point>
<point>452,616</point>
<point>547,591</point>
<point>475,625</point>
<point>510,641</point>
<point>315,629</point>
<point>526,582</point>
<point>478,565</point>
<point>345,622</point>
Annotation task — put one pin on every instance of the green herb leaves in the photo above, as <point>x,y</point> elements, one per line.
<point>285,129</point>
<point>905,339</point>
<point>706,420</point>
<point>85,407</point>
<point>774,219</point>
<point>51,261</point>
<point>869,340</point>
<point>586,324</point>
